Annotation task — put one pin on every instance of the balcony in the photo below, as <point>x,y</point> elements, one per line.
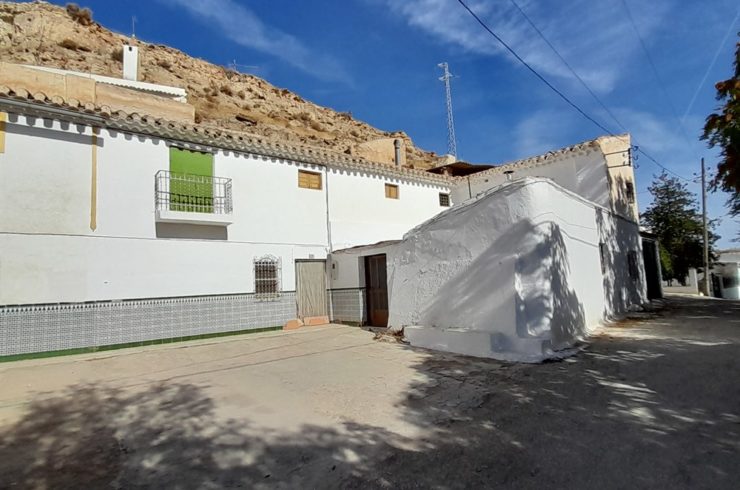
<point>193,199</point>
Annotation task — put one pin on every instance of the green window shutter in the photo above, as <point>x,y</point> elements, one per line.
<point>191,187</point>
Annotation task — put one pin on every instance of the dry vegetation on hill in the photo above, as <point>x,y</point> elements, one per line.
<point>43,34</point>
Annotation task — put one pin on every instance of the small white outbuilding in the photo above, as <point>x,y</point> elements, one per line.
<point>517,273</point>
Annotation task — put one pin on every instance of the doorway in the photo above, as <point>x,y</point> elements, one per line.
<point>311,288</point>
<point>376,290</point>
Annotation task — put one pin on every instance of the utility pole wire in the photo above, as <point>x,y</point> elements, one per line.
<point>558,92</point>
<point>567,65</point>
<point>711,65</point>
<point>659,80</point>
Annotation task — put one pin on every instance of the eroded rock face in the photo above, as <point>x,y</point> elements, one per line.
<point>43,34</point>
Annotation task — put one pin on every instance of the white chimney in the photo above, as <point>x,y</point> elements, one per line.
<point>130,62</point>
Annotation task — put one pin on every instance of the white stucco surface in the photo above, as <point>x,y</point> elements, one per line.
<point>598,172</point>
<point>361,214</point>
<point>49,252</point>
<point>513,274</point>
<point>347,266</point>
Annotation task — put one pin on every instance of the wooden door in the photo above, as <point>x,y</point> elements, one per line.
<point>376,290</point>
<point>311,288</point>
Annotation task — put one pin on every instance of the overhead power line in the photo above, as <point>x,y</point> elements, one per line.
<point>711,65</point>
<point>567,65</point>
<point>558,92</point>
<point>658,78</point>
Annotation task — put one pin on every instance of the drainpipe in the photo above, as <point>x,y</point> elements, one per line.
<point>327,273</point>
<point>397,145</point>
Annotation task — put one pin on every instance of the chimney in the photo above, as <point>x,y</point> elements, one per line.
<point>130,62</point>
<point>397,145</point>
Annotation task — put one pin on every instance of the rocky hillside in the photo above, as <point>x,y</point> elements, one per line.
<point>43,34</point>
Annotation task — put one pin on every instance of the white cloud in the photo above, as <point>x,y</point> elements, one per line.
<point>595,37</point>
<point>243,27</point>
<point>543,131</point>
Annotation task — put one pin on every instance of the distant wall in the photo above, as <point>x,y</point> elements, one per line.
<point>381,150</point>
<point>599,173</point>
<point>729,280</point>
<point>87,90</point>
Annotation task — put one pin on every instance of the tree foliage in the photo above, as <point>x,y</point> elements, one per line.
<point>722,130</point>
<point>675,218</point>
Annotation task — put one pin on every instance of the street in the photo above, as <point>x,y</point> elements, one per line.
<point>653,401</point>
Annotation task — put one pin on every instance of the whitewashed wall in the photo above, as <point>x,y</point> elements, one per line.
<point>361,214</point>
<point>348,266</point>
<point>584,173</point>
<point>513,274</point>
<point>50,253</point>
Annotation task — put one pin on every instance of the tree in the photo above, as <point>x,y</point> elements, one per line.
<point>675,218</point>
<point>722,129</point>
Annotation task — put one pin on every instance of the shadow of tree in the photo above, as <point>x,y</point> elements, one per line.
<point>618,238</point>
<point>615,416</point>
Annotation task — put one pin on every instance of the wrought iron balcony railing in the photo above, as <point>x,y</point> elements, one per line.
<point>192,193</point>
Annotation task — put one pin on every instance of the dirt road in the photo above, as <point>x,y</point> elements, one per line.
<point>653,402</point>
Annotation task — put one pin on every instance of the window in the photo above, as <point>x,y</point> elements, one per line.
<point>391,191</point>
<point>267,277</point>
<point>632,265</point>
<point>309,180</point>
<point>444,200</point>
<point>630,191</point>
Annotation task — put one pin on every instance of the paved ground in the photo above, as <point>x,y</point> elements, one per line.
<point>654,402</point>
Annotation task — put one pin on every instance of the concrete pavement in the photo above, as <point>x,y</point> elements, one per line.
<point>651,402</point>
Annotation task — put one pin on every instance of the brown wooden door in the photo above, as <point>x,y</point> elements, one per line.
<point>376,289</point>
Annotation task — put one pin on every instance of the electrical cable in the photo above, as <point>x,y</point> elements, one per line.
<point>555,89</point>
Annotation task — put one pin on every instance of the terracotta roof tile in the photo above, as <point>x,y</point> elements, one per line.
<point>216,137</point>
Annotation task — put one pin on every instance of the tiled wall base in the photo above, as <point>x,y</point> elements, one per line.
<point>348,305</point>
<point>44,328</point>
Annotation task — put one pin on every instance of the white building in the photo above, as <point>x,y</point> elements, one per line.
<point>523,268</point>
<point>118,228</point>
<point>727,273</point>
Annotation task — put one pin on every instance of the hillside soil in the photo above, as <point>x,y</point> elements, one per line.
<point>39,33</point>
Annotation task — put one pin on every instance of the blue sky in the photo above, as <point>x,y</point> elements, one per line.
<point>378,59</point>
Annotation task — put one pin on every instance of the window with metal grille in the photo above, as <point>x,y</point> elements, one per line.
<point>632,265</point>
<point>444,200</point>
<point>391,191</point>
<point>309,180</point>
<point>267,277</point>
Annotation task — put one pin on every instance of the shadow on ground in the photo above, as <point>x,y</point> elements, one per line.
<point>640,407</point>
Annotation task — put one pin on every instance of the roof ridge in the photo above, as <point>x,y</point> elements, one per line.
<point>210,135</point>
<point>539,159</point>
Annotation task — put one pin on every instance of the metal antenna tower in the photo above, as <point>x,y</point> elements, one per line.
<point>451,141</point>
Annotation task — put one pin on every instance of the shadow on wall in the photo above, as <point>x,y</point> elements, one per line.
<point>624,194</point>
<point>522,279</point>
<point>544,299</point>
<point>598,421</point>
<point>624,283</point>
